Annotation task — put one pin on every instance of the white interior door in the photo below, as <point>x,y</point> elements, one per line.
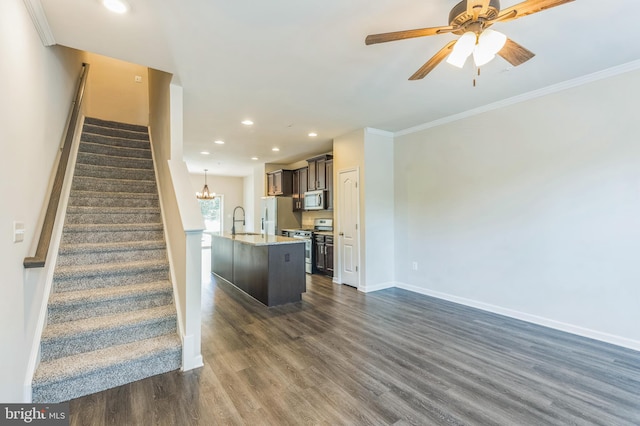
<point>349,242</point>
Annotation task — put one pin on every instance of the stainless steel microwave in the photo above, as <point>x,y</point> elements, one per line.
<point>315,200</point>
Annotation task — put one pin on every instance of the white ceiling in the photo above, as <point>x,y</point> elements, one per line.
<point>298,66</point>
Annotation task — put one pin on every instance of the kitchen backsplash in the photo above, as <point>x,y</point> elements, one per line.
<point>309,217</point>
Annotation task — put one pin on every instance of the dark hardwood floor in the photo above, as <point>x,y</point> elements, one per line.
<point>388,357</point>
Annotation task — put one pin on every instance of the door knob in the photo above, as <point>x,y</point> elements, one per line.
<point>341,234</point>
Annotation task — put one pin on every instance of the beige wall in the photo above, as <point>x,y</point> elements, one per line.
<point>530,210</point>
<point>232,191</point>
<point>113,94</point>
<point>37,86</point>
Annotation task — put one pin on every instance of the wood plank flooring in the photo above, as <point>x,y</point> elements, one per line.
<point>388,357</point>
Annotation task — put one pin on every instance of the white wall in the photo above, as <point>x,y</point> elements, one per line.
<point>232,190</point>
<point>530,210</point>
<point>378,209</point>
<point>37,86</point>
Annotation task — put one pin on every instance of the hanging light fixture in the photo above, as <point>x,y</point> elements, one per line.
<point>484,47</point>
<point>205,194</point>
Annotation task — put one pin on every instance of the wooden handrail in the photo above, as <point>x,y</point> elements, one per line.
<point>44,242</point>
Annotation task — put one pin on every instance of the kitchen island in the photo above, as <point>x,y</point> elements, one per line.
<point>269,268</point>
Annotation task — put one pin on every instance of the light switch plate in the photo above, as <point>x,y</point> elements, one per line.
<point>18,232</point>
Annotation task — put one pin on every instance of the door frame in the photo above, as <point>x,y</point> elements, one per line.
<point>338,276</point>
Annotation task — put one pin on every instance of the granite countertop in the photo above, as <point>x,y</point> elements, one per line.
<point>329,233</point>
<point>260,239</point>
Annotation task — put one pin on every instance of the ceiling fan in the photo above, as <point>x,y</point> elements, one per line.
<point>471,20</point>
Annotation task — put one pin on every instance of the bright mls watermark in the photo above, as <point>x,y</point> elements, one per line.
<point>35,414</point>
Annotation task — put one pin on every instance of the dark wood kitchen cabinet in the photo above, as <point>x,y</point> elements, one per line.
<point>323,254</point>
<point>280,182</point>
<point>317,177</point>
<point>329,179</point>
<point>300,177</point>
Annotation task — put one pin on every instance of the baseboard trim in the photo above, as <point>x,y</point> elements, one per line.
<point>534,319</point>
<point>376,287</point>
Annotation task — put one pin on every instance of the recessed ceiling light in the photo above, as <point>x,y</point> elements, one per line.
<point>117,6</point>
<point>247,122</point>
<point>275,149</point>
<point>313,134</point>
<point>254,158</point>
<point>219,142</point>
<point>204,152</point>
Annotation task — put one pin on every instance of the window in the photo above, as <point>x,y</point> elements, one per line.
<point>212,215</point>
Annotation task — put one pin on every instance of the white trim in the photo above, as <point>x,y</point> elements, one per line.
<point>379,132</point>
<point>376,287</point>
<point>39,18</point>
<point>589,78</point>
<point>546,322</point>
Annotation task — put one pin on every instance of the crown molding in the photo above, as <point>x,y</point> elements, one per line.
<point>40,21</point>
<point>379,132</point>
<point>589,78</point>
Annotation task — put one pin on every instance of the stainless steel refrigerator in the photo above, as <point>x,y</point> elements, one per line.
<point>277,214</point>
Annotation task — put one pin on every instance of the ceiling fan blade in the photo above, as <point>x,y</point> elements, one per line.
<point>514,53</point>
<point>401,35</point>
<point>527,7</point>
<point>477,8</point>
<point>433,62</point>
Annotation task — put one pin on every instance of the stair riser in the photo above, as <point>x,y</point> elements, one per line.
<point>115,125</point>
<point>72,312</point>
<point>114,172</point>
<point>81,183</point>
<point>136,276</point>
<point>110,237</point>
<point>113,376</point>
<point>92,258</point>
<point>111,141</point>
<point>117,133</point>
<point>116,151</point>
<point>61,347</point>
<point>112,202</point>
<point>98,218</point>
<point>105,160</point>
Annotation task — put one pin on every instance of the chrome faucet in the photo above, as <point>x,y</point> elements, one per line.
<point>233,227</point>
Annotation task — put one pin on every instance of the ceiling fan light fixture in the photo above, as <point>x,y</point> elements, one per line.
<point>489,43</point>
<point>462,49</point>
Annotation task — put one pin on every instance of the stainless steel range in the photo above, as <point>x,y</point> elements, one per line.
<point>319,225</point>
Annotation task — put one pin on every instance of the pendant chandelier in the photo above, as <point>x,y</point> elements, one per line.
<point>205,194</point>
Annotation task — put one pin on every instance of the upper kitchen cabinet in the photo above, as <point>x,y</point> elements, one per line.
<point>317,174</point>
<point>280,182</point>
<point>300,179</point>
<point>329,180</point>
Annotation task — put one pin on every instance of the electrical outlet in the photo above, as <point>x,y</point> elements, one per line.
<point>414,266</point>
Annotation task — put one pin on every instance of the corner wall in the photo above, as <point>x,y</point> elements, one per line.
<point>530,210</point>
<point>37,84</point>
<point>113,94</point>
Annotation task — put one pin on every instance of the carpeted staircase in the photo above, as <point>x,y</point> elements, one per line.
<point>111,314</point>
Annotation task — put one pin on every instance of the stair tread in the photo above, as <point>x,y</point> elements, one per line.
<point>81,327</point>
<point>84,194</point>
<point>113,227</point>
<point>115,124</point>
<point>106,180</point>
<point>111,246</point>
<point>112,210</point>
<point>108,293</point>
<point>114,146</point>
<point>101,268</point>
<point>60,369</point>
